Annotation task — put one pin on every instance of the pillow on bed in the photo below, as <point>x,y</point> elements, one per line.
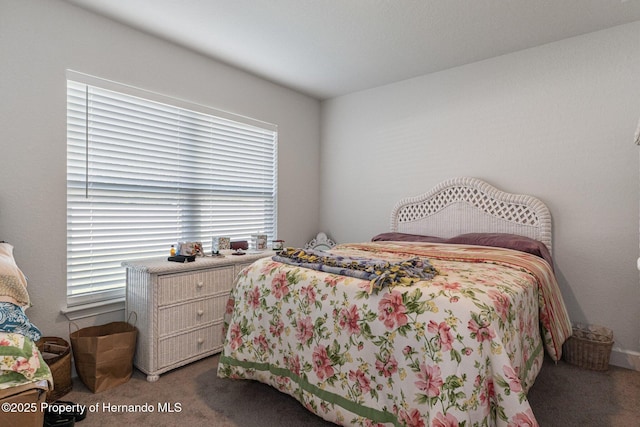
<point>505,240</point>
<point>405,237</point>
<point>500,240</point>
<point>13,284</point>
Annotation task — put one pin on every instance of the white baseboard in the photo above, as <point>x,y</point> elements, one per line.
<point>625,358</point>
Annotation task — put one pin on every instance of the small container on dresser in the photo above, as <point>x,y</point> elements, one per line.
<point>180,308</point>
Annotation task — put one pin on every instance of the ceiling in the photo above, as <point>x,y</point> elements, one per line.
<point>328,48</point>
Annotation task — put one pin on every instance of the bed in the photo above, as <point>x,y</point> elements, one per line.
<point>441,321</point>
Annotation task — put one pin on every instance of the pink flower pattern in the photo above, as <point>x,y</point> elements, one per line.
<point>512,376</point>
<point>392,311</point>
<point>447,420</point>
<point>228,309</point>
<point>253,298</point>
<point>387,367</point>
<point>411,418</point>
<point>359,377</point>
<point>309,292</point>
<point>482,332</point>
<point>235,336</point>
<point>294,364</point>
<point>349,319</point>
<point>444,333</point>
<point>261,343</point>
<point>304,330</point>
<point>279,285</point>
<point>501,303</point>
<point>276,328</point>
<point>430,380</point>
<point>523,419</point>
<point>321,363</point>
<point>488,393</point>
<point>434,344</point>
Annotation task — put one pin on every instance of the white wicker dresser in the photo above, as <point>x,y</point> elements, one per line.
<point>180,308</point>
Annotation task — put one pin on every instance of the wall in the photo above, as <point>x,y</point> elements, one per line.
<point>556,121</point>
<point>39,40</point>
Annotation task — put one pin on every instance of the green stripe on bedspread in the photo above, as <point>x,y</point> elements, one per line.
<point>529,364</point>
<point>364,411</point>
<point>355,408</point>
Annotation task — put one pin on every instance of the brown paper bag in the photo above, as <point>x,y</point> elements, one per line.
<point>103,355</point>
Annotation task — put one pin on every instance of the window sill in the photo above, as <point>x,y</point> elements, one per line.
<point>93,309</point>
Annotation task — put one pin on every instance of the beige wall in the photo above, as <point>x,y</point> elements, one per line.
<point>556,121</point>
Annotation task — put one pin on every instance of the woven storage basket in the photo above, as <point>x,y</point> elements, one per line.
<point>56,352</point>
<point>589,347</point>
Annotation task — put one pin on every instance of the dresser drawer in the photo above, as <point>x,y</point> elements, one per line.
<point>180,308</point>
<point>191,314</point>
<point>174,288</point>
<point>191,344</point>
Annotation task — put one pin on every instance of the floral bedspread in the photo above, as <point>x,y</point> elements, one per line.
<point>460,349</point>
<point>21,361</point>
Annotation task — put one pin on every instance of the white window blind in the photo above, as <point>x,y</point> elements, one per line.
<point>143,174</point>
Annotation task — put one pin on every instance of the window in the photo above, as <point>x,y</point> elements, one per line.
<point>146,171</point>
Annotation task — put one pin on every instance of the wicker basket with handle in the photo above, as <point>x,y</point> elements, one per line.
<point>56,352</point>
<point>589,347</point>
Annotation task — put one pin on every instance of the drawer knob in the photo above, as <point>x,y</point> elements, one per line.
<point>200,284</point>
<point>200,340</point>
<point>200,313</point>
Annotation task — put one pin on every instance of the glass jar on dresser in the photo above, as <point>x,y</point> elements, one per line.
<point>180,308</point>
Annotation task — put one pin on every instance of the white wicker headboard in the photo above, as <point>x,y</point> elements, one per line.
<point>470,205</point>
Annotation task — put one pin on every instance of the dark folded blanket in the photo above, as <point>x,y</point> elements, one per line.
<point>380,273</point>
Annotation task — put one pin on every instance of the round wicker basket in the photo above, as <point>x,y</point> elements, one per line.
<point>589,347</point>
<point>56,352</point>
